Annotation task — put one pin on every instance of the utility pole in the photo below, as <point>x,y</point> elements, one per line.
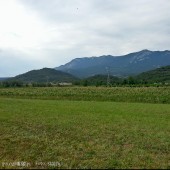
<point>108,77</point>
<point>47,79</point>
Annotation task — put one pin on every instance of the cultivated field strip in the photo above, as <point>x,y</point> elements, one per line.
<point>116,94</point>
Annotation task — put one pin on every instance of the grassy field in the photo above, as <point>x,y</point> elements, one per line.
<point>116,94</point>
<point>84,134</point>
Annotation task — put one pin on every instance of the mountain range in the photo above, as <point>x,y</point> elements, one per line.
<point>120,66</point>
<point>145,65</point>
<point>48,75</point>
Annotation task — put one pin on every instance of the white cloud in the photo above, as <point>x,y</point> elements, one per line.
<point>39,33</point>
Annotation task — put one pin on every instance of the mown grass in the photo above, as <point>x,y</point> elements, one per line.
<point>117,94</point>
<point>85,134</point>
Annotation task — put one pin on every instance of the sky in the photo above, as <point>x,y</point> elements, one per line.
<point>48,33</point>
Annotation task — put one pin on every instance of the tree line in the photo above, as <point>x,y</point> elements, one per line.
<point>130,81</point>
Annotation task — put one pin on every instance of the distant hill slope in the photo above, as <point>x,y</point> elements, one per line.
<point>101,80</point>
<point>44,75</point>
<point>4,78</point>
<point>157,75</point>
<point>130,64</point>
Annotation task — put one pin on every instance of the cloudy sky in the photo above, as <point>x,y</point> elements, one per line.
<point>47,33</point>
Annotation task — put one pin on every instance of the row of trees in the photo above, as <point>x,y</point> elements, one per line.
<point>130,81</point>
<point>22,84</point>
<point>12,84</point>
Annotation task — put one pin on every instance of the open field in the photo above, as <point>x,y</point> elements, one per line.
<point>116,94</point>
<point>83,134</point>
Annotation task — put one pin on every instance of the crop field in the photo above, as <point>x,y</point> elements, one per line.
<point>117,94</point>
<point>78,127</point>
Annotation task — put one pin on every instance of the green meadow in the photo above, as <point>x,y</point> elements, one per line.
<point>85,128</point>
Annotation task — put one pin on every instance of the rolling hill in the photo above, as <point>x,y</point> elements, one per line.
<point>159,75</point>
<point>120,66</point>
<point>44,75</point>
